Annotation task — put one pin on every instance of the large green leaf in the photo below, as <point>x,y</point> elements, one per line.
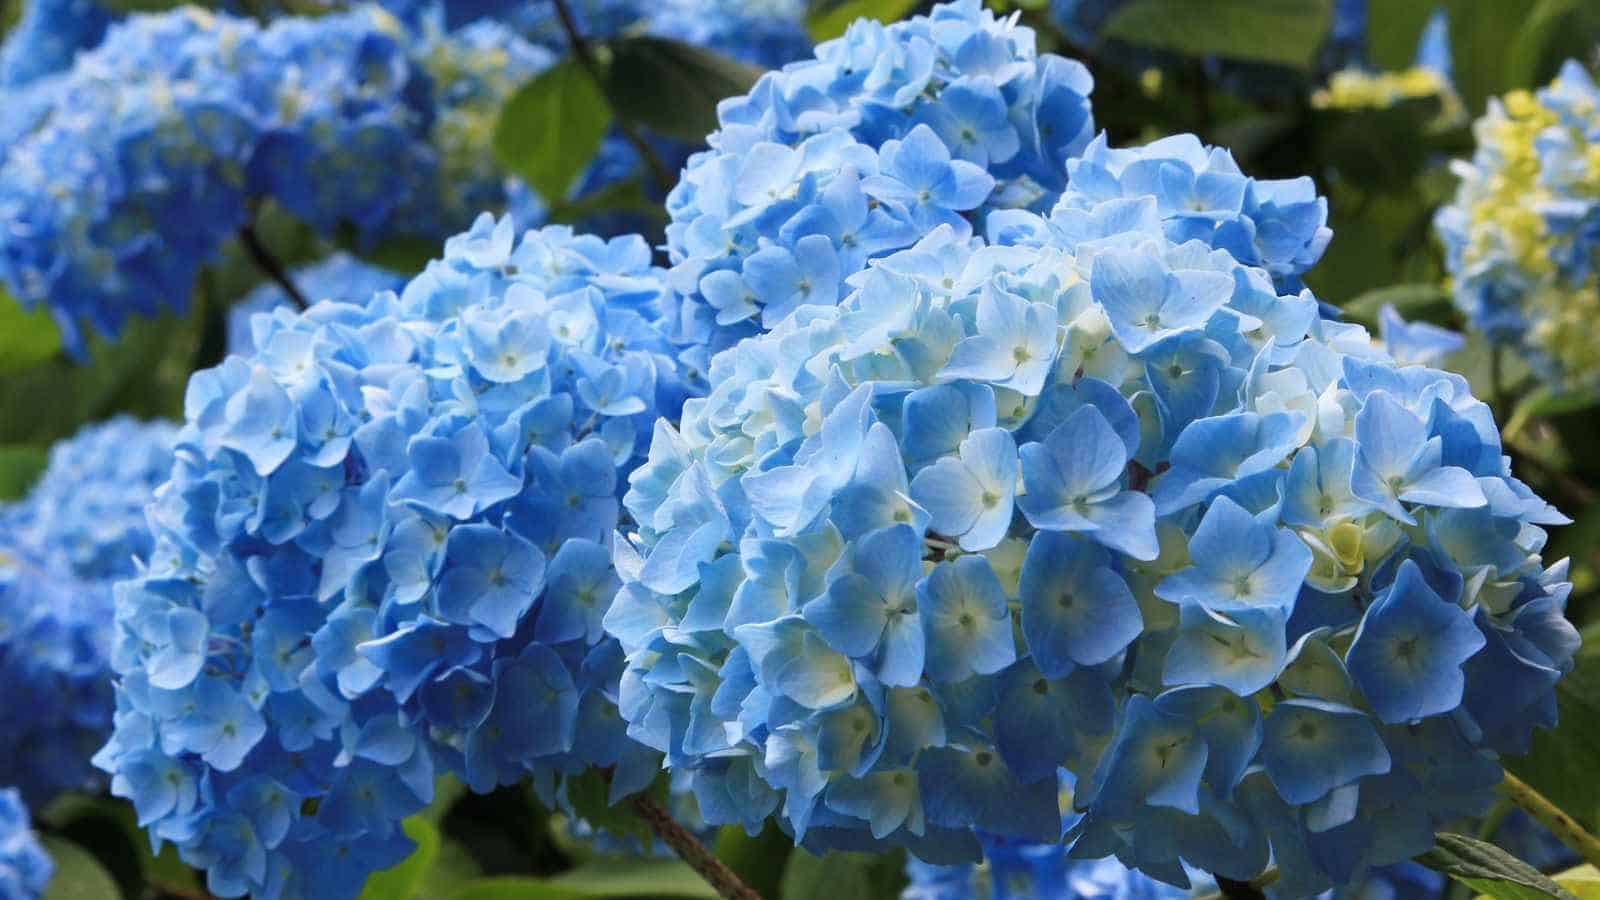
<point>404,880</point>
<point>1287,32</point>
<point>1393,30</point>
<point>601,880</point>
<point>843,876</point>
<point>1425,301</point>
<point>1489,869</point>
<point>635,878</point>
<point>1561,763</point>
<point>551,127</point>
<point>1555,30</point>
<point>758,860</point>
<point>26,338</point>
<point>672,87</point>
<point>78,875</point>
<point>1480,43</point>
<point>830,18</point>
<point>514,888</point>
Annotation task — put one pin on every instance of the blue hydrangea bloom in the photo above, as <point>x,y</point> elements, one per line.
<point>340,277</point>
<point>1415,343</point>
<point>1522,236</point>
<point>1016,871</point>
<point>25,868</point>
<point>1093,499</point>
<point>154,143</point>
<point>886,133</point>
<point>382,554</point>
<point>47,37</point>
<point>81,527</point>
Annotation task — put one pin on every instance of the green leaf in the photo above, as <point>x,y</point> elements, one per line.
<point>843,876</point>
<point>1554,31</point>
<point>1560,764</point>
<point>403,880</point>
<point>513,888</point>
<point>26,338</point>
<point>1393,30</point>
<point>616,877</point>
<point>1582,881</point>
<point>20,467</point>
<point>758,860</point>
<point>672,87</point>
<point>1486,868</point>
<point>828,20</point>
<point>1479,47</point>
<point>78,875</point>
<point>1546,402</point>
<point>1423,300</point>
<point>589,794</point>
<point>551,128</point>
<point>1286,32</point>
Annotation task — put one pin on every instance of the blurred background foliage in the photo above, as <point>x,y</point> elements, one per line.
<point>1240,73</point>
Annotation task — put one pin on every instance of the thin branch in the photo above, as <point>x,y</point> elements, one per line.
<point>586,58</point>
<point>1564,827</point>
<point>269,264</point>
<point>722,879</point>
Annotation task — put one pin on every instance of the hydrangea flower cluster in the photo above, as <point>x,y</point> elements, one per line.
<point>80,528</point>
<point>1522,237</point>
<point>339,277</point>
<point>25,868</point>
<point>767,33</point>
<point>1090,494</point>
<point>87,509</point>
<point>888,132</point>
<point>383,554</point>
<point>474,70</point>
<point>47,37</point>
<point>153,145</point>
<point>1033,872</point>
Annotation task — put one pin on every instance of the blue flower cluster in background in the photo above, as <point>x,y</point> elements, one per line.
<point>1097,499</point>
<point>1522,237</point>
<point>61,547</point>
<point>383,554</point>
<point>49,34</point>
<point>339,277</point>
<point>25,868</point>
<point>158,141</point>
<point>889,132</point>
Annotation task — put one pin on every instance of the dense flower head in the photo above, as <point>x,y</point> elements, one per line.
<point>87,509</point>
<point>383,554</point>
<point>1088,502</point>
<point>1280,225</point>
<point>1021,871</point>
<point>25,868</point>
<point>766,33</point>
<point>888,132</point>
<point>61,546</point>
<point>154,144</point>
<point>474,70</point>
<point>46,38</point>
<point>1522,237</point>
<point>339,277</point>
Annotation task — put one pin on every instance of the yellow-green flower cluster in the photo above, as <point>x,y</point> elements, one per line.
<point>1357,89</point>
<point>1523,234</point>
